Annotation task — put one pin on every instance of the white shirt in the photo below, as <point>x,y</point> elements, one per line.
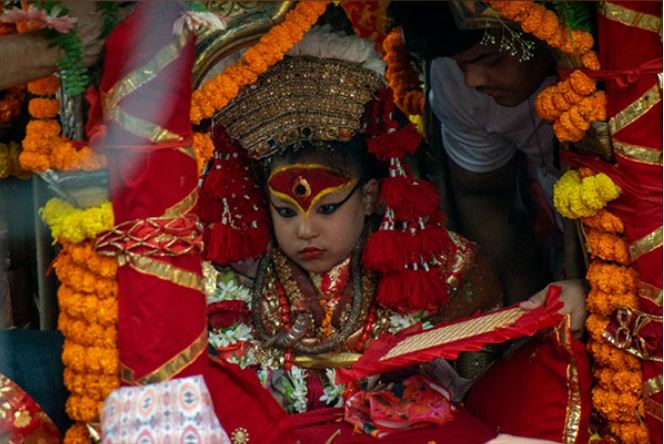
<point>480,135</point>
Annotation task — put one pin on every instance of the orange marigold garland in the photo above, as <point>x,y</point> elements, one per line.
<point>271,48</point>
<point>203,148</point>
<point>400,75</point>
<point>617,391</point>
<point>572,104</point>
<point>43,146</point>
<point>88,320</point>
<point>88,317</point>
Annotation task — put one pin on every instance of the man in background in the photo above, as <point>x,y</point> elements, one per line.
<point>484,79</point>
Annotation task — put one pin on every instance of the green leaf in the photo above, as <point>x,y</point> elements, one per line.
<point>576,15</point>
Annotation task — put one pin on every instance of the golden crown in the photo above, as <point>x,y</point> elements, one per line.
<point>301,98</point>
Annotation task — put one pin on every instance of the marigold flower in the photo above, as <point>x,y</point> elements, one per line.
<point>534,19</point>
<point>224,87</point>
<point>611,278</point>
<point>608,247</point>
<point>46,86</point>
<point>44,108</point>
<point>590,61</point>
<point>605,221</point>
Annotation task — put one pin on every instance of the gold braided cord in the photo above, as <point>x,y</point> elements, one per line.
<point>627,335</point>
<point>646,244</point>
<point>454,332</point>
<point>635,110</point>
<point>629,17</point>
<point>650,292</point>
<point>641,154</point>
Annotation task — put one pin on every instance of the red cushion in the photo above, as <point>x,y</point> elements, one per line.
<point>527,394</point>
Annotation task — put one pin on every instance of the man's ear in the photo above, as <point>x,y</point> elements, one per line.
<point>370,196</point>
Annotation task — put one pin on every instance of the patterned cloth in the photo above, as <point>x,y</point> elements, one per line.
<point>175,411</point>
<point>414,402</point>
<point>21,419</point>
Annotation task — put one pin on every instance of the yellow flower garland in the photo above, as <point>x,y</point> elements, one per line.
<point>576,197</point>
<point>74,225</point>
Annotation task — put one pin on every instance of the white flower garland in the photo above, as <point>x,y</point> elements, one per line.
<point>223,337</point>
<point>332,392</point>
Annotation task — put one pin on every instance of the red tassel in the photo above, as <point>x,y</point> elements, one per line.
<point>409,199</point>
<point>434,241</point>
<point>208,208</point>
<point>384,251</point>
<point>396,144</point>
<point>226,245</point>
<point>411,290</point>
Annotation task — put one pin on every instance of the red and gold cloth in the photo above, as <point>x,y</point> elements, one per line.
<point>21,418</point>
<point>392,352</point>
<point>630,49</point>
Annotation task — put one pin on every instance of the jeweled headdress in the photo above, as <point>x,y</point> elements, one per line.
<point>318,92</point>
<point>330,87</point>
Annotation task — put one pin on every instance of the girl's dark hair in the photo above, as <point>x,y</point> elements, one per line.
<point>350,158</point>
<point>429,29</point>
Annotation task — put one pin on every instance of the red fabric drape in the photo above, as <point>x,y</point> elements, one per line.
<point>159,319</point>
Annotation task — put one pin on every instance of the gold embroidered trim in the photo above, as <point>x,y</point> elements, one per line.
<point>454,332</point>
<point>178,362</point>
<point>627,335</point>
<point>641,154</point>
<point>573,413</point>
<point>327,360</point>
<point>167,272</point>
<point>653,408</point>
<point>635,110</point>
<point>140,76</point>
<point>140,127</point>
<point>652,386</point>
<point>650,292</point>
<point>646,244</point>
<point>629,17</point>
<point>130,83</point>
<point>184,206</point>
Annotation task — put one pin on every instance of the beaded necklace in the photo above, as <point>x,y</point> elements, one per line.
<point>291,302</point>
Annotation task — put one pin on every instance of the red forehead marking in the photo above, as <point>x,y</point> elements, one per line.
<point>305,184</point>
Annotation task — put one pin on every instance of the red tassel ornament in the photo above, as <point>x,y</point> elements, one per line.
<point>232,206</point>
<point>412,242</point>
